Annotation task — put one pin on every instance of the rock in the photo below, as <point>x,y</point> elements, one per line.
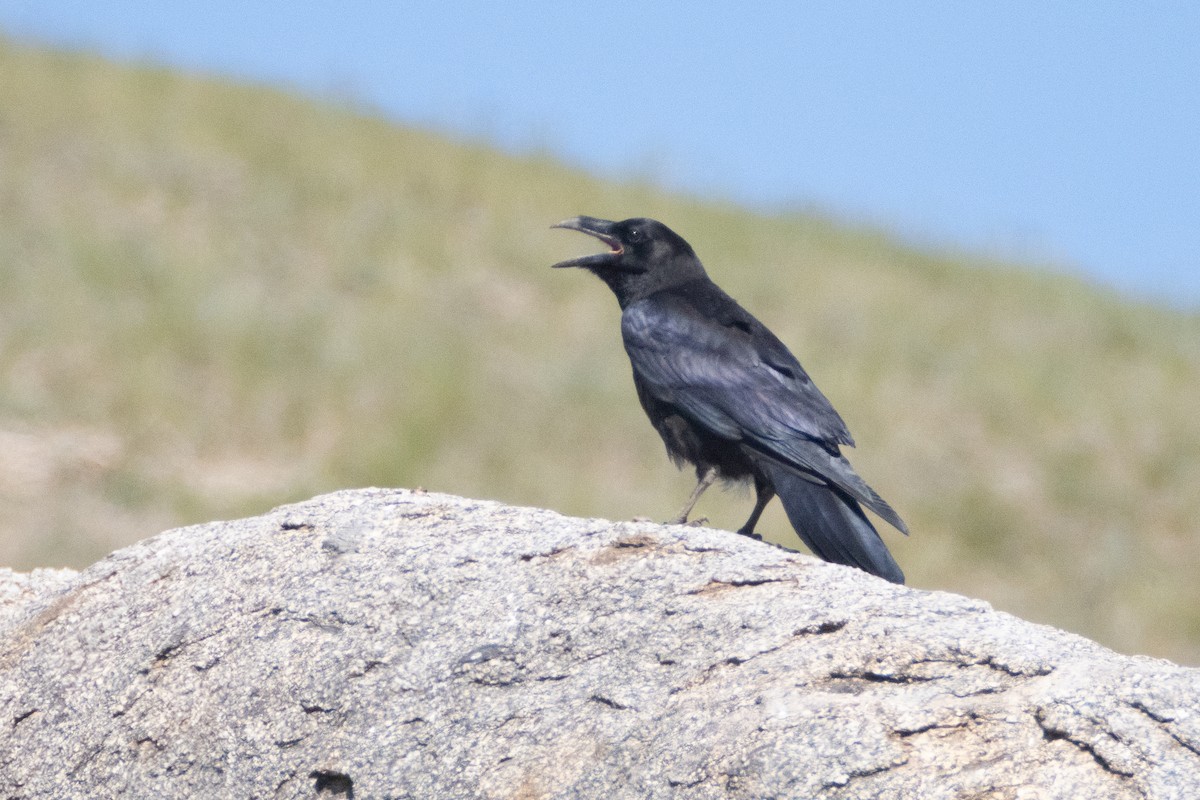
<point>18,590</point>
<point>373,644</point>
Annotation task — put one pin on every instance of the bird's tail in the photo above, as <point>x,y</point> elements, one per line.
<point>832,523</point>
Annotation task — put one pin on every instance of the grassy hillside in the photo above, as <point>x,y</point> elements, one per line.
<point>217,298</point>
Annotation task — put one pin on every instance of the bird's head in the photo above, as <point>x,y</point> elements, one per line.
<point>643,256</point>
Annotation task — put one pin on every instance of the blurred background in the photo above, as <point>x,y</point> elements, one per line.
<point>253,252</point>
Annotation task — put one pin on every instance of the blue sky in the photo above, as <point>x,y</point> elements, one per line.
<point>1065,131</point>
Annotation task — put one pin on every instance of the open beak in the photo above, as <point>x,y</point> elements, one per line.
<point>602,229</point>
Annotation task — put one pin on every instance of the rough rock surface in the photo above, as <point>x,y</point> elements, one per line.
<point>374,644</point>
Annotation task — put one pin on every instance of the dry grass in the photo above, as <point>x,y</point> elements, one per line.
<point>217,298</point>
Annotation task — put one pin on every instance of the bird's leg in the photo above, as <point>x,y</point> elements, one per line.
<point>705,480</point>
<point>763,493</point>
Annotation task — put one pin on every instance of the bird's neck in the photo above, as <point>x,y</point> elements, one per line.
<point>622,284</point>
<point>629,287</point>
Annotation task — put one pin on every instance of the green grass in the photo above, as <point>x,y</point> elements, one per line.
<point>217,298</point>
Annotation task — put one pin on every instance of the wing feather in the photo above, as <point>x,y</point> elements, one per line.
<point>724,377</point>
<point>737,380</point>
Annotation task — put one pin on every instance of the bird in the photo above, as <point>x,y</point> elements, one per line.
<point>729,398</point>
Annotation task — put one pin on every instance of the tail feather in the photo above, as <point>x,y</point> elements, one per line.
<point>832,523</point>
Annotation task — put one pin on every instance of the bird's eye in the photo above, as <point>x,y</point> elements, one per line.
<point>635,234</point>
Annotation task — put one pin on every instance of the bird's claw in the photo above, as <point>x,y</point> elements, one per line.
<point>696,523</point>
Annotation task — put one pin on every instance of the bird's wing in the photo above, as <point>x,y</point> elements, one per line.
<point>735,378</point>
<point>808,458</point>
<point>732,375</point>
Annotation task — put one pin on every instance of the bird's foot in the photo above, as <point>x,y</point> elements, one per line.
<point>755,536</point>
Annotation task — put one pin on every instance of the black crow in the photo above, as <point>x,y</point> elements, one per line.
<point>729,398</point>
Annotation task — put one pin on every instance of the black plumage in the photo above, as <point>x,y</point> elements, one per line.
<point>729,398</point>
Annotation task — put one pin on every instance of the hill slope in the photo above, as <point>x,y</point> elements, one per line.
<point>215,298</point>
